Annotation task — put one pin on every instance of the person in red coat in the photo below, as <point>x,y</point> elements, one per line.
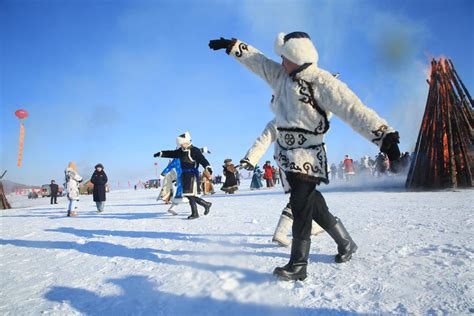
<point>268,174</point>
<point>348,167</point>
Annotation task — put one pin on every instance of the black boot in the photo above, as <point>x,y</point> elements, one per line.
<point>207,208</point>
<point>194,211</point>
<point>296,268</point>
<point>345,245</point>
<point>206,205</point>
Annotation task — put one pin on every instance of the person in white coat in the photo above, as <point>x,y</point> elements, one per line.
<point>72,185</point>
<point>304,98</point>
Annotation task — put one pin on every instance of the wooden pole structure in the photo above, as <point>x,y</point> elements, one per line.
<point>4,205</point>
<point>444,149</point>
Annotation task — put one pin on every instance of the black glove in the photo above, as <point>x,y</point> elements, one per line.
<point>205,150</point>
<point>158,154</point>
<point>390,147</point>
<point>245,163</point>
<point>219,43</point>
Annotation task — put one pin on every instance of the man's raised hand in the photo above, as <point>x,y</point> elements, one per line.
<point>221,43</point>
<point>245,163</point>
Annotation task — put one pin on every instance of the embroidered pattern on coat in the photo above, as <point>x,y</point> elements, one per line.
<point>302,139</point>
<point>282,159</point>
<point>315,168</point>
<point>379,133</point>
<point>289,139</point>
<point>307,166</point>
<point>306,91</point>
<point>297,130</point>
<point>242,47</point>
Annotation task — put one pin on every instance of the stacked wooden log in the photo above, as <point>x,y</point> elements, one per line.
<point>3,198</point>
<point>443,156</point>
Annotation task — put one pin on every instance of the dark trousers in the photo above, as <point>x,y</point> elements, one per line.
<point>269,183</point>
<point>307,204</point>
<point>54,199</point>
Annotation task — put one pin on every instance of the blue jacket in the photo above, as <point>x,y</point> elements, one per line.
<point>176,165</point>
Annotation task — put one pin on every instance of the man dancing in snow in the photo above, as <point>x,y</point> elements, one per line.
<point>304,96</point>
<point>190,158</point>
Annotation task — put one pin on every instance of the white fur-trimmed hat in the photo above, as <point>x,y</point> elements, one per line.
<point>296,47</point>
<point>183,139</point>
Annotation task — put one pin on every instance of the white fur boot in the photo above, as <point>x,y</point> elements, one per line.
<point>283,227</point>
<point>172,208</point>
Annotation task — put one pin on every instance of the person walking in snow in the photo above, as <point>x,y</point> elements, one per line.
<point>237,177</point>
<point>333,171</point>
<point>72,185</point>
<point>268,174</point>
<point>256,183</point>
<point>206,183</point>
<point>305,95</point>
<point>53,192</point>
<point>348,168</point>
<point>381,164</point>
<point>172,173</point>
<point>230,184</point>
<point>99,179</point>
<point>190,158</point>
<point>340,171</point>
<point>276,175</point>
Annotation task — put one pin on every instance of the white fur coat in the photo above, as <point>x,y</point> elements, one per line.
<point>73,179</point>
<point>303,104</point>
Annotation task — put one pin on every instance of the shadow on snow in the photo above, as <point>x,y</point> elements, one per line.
<point>140,295</point>
<point>105,249</point>
<point>201,238</point>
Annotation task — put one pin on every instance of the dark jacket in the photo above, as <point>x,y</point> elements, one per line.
<point>54,189</point>
<point>99,179</point>
<point>190,159</point>
<point>230,183</point>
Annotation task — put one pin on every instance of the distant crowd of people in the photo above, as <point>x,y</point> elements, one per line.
<point>270,174</point>
<point>376,167</point>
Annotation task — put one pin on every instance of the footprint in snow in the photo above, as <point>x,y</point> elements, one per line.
<point>230,280</point>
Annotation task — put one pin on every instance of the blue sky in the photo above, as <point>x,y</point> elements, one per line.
<point>115,81</point>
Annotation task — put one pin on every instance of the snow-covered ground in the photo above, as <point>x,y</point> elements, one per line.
<point>415,255</point>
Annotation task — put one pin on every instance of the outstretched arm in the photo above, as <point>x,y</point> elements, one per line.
<point>336,97</point>
<point>169,153</point>
<point>252,58</point>
<point>261,144</point>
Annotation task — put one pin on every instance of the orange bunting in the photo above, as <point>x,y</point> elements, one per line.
<point>20,150</point>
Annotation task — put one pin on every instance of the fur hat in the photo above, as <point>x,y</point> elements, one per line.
<point>99,165</point>
<point>297,47</point>
<point>183,139</point>
<point>72,165</point>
